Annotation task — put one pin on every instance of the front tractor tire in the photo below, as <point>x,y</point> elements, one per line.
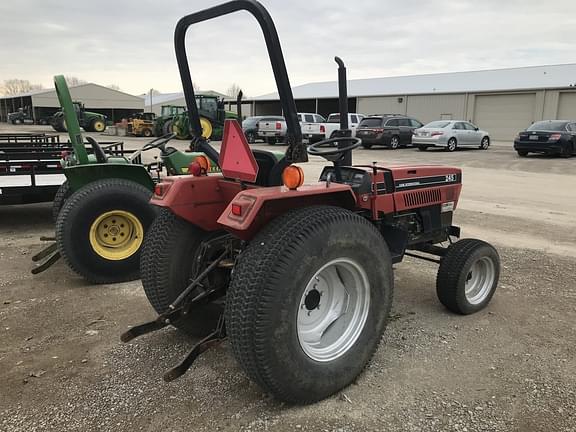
<point>98,125</point>
<point>468,276</point>
<point>308,302</point>
<point>100,230</point>
<point>168,254</point>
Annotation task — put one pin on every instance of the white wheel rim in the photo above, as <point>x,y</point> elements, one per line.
<point>479,280</point>
<point>451,145</point>
<point>485,143</point>
<point>333,310</point>
<point>394,142</point>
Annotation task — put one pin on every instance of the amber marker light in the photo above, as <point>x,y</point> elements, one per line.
<point>293,177</point>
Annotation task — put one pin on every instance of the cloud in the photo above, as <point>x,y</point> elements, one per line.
<point>131,43</point>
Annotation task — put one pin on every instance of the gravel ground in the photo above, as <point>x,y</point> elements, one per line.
<point>511,367</point>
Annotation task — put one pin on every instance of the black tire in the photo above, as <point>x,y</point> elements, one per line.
<point>566,151</point>
<point>485,143</point>
<point>251,137</point>
<point>166,264</point>
<point>367,146</point>
<point>456,269</point>
<point>394,142</point>
<point>271,141</point>
<point>98,125</point>
<point>522,153</point>
<point>422,147</point>
<point>62,194</point>
<point>452,145</point>
<point>265,294</point>
<point>147,132</point>
<point>79,213</point>
<point>167,127</point>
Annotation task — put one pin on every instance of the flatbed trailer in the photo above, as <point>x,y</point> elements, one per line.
<point>30,166</point>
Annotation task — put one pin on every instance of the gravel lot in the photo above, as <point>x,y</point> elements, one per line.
<point>511,367</point>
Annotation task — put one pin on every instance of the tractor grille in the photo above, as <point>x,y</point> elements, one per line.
<point>419,198</point>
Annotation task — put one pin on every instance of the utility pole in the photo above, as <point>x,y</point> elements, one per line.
<point>151,90</point>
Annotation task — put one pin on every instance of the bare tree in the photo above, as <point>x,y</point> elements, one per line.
<point>114,87</point>
<point>73,81</point>
<point>16,86</point>
<point>233,90</point>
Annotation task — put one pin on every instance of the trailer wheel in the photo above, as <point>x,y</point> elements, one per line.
<point>101,227</point>
<point>308,302</point>
<point>62,194</point>
<point>98,125</point>
<point>468,276</point>
<point>168,252</point>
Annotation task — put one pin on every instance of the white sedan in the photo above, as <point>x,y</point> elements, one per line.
<point>450,134</point>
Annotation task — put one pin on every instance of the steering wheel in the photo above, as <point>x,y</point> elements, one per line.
<point>155,143</point>
<point>333,154</point>
<point>158,142</point>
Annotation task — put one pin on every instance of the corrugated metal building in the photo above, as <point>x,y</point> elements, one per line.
<point>502,101</point>
<point>43,103</point>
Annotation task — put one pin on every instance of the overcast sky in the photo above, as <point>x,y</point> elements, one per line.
<point>130,43</point>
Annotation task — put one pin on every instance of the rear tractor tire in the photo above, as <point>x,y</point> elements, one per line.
<point>468,276</point>
<point>101,227</point>
<point>305,335</point>
<point>169,251</point>
<point>62,194</point>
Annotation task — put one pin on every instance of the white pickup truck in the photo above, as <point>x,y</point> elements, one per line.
<point>274,131</point>
<point>320,131</point>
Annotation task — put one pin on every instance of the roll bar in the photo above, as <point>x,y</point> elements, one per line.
<point>296,151</point>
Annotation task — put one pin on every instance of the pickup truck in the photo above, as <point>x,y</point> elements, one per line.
<point>275,130</point>
<point>315,132</point>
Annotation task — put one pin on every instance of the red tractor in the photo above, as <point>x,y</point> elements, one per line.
<point>298,277</point>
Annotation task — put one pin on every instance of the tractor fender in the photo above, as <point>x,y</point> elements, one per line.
<point>80,175</point>
<point>252,209</point>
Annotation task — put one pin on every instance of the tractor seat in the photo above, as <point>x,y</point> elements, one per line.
<point>269,168</point>
<point>98,151</point>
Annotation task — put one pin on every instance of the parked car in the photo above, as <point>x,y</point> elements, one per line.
<point>250,126</point>
<point>275,131</point>
<point>549,137</point>
<point>390,130</point>
<point>314,132</point>
<point>450,134</point>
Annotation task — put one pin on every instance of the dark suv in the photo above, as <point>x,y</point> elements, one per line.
<point>390,130</point>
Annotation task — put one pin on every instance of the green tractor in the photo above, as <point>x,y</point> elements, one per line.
<point>101,211</point>
<point>163,123</point>
<point>89,121</point>
<point>212,116</point>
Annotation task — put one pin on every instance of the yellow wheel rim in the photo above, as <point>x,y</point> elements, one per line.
<point>206,127</point>
<point>99,126</point>
<point>116,235</point>
<point>176,130</point>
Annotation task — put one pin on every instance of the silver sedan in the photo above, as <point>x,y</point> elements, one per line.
<point>450,134</point>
